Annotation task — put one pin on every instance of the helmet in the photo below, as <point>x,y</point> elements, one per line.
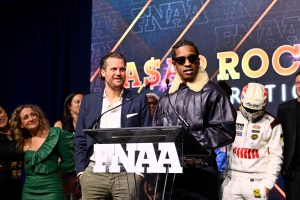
<point>254,99</point>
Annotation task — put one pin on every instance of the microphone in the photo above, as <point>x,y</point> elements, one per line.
<point>96,121</point>
<point>185,123</point>
<point>181,119</point>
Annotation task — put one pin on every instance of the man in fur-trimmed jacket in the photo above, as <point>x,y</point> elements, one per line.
<point>255,157</point>
<point>210,118</point>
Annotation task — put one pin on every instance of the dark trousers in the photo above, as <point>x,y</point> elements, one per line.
<point>292,186</point>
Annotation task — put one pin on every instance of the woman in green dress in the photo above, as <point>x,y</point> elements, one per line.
<point>43,147</point>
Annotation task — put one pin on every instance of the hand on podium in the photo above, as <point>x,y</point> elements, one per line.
<point>149,190</point>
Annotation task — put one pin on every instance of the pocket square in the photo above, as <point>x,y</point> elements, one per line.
<point>131,115</point>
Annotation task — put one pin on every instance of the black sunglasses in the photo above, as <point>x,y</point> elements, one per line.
<point>154,103</point>
<point>181,60</point>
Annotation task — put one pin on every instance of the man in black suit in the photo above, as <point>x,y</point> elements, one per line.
<point>288,114</point>
<point>135,113</point>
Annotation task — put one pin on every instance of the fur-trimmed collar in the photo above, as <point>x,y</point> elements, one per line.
<point>196,85</point>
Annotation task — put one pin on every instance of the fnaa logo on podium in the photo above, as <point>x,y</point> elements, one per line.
<point>138,158</point>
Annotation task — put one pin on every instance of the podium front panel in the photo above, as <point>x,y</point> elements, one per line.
<point>186,144</point>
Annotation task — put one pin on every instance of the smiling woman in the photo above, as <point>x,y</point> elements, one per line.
<point>43,146</point>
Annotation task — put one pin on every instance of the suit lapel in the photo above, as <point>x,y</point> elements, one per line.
<point>96,105</point>
<point>127,95</point>
<point>294,111</point>
<point>99,102</point>
<point>292,124</point>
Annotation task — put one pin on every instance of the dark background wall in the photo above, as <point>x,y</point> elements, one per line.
<point>44,52</point>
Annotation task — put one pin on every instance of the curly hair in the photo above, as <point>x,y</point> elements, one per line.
<point>21,134</point>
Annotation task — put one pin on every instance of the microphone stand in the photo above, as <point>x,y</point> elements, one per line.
<point>181,119</point>
<point>97,120</point>
<point>186,126</point>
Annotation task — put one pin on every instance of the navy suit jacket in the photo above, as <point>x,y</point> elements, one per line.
<point>287,116</point>
<point>91,108</point>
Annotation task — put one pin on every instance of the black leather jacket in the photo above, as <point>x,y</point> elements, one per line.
<point>209,113</point>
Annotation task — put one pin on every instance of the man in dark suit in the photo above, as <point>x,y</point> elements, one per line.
<point>288,114</point>
<point>132,114</point>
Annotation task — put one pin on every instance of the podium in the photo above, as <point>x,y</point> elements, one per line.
<point>185,143</point>
<point>136,134</point>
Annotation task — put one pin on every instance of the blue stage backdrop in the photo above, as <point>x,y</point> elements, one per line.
<point>240,41</point>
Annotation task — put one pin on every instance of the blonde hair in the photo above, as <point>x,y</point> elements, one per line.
<point>21,133</point>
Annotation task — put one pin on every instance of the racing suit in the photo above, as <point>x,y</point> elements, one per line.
<point>255,158</point>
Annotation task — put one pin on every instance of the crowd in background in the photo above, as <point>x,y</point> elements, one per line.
<point>37,160</point>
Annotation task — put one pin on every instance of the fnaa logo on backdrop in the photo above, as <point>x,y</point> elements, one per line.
<point>239,41</point>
